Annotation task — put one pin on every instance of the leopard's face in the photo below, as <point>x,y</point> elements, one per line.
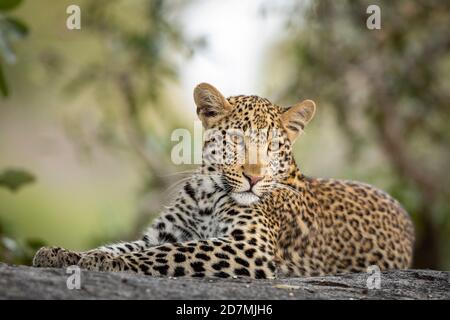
<point>248,149</point>
<point>248,141</point>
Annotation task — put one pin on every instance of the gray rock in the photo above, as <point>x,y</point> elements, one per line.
<point>22,282</point>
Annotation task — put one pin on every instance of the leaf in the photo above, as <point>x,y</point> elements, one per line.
<point>34,243</point>
<point>14,179</point>
<point>3,86</point>
<point>6,5</point>
<point>18,26</point>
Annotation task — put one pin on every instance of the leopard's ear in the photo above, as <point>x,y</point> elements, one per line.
<point>295,118</point>
<point>211,104</point>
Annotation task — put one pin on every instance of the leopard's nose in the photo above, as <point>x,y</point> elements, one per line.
<point>253,179</point>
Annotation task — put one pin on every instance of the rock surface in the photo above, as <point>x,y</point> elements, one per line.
<point>22,282</point>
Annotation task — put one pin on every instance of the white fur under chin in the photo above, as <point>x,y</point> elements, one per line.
<point>244,198</point>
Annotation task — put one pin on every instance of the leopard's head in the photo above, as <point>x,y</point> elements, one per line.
<point>248,141</point>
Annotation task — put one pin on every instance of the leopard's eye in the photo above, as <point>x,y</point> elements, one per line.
<point>275,145</point>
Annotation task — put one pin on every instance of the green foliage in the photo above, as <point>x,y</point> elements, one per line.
<point>6,5</point>
<point>17,28</point>
<point>129,64</point>
<point>142,57</point>
<point>11,30</point>
<point>12,250</point>
<point>14,179</point>
<point>18,251</point>
<point>126,62</point>
<point>3,86</point>
<point>15,251</point>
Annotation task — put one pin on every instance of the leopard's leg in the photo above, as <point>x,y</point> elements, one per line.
<point>163,230</point>
<point>220,257</point>
<point>56,257</point>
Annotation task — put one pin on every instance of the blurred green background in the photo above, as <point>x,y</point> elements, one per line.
<point>86,115</point>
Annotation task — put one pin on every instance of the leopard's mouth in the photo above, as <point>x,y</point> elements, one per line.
<point>245,198</point>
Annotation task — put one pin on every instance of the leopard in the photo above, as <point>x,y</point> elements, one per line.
<point>249,211</point>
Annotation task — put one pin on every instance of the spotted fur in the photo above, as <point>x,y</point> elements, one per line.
<point>261,219</point>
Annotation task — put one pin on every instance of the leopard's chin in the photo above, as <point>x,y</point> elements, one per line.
<point>246,198</point>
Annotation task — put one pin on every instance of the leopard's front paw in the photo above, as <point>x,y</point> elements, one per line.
<point>55,257</point>
<point>101,261</point>
<point>47,257</point>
